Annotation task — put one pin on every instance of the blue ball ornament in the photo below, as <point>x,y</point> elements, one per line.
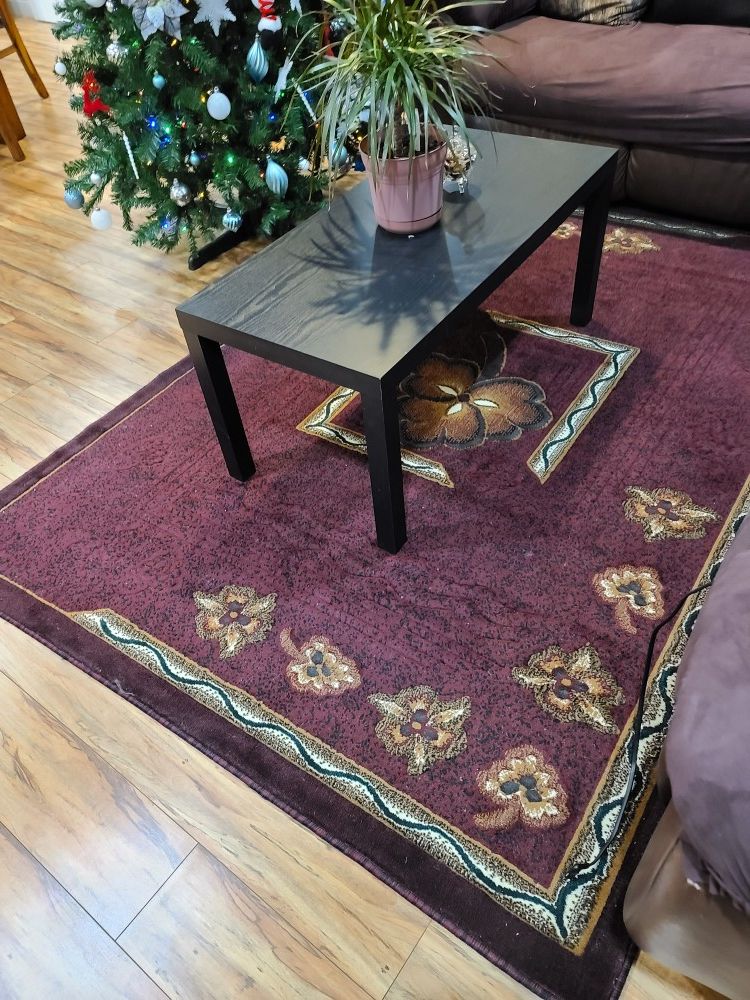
<point>159,81</point>
<point>257,61</point>
<point>73,198</point>
<point>276,178</point>
<point>231,220</point>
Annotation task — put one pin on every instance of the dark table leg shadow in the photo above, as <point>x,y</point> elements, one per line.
<point>594,226</point>
<point>212,374</point>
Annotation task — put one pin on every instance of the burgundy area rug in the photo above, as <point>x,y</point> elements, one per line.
<point>455,717</point>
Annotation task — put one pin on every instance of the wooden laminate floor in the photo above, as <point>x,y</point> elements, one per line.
<point>132,866</point>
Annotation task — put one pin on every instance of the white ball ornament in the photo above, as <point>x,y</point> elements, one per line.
<point>101,218</point>
<point>96,3</point>
<point>218,105</point>
<point>60,68</point>
<point>96,178</point>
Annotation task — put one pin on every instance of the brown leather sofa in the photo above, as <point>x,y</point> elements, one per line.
<point>689,900</point>
<point>673,98</point>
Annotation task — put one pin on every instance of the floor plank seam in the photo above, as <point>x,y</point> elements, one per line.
<point>430,922</point>
<point>152,897</point>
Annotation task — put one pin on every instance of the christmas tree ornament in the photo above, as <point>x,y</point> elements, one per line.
<point>304,166</point>
<point>159,15</point>
<point>180,193</point>
<point>269,19</point>
<point>306,101</point>
<point>60,68</point>
<point>218,105</point>
<point>296,6</point>
<point>101,218</point>
<point>91,100</point>
<point>159,81</point>
<point>129,150</point>
<point>257,61</point>
<point>231,220</point>
<point>214,12</point>
<point>276,178</point>
<point>337,156</point>
<point>95,3</point>
<point>116,51</point>
<point>168,225</point>
<point>95,177</point>
<point>281,79</point>
<point>194,159</point>
<point>109,6</point>
<point>73,198</point>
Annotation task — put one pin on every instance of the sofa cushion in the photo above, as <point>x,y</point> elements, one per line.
<point>707,749</point>
<point>490,15</point>
<point>733,12</point>
<point>596,11</point>
<point>656,84</point>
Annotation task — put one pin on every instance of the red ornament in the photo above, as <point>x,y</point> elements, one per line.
<point>91,100</point>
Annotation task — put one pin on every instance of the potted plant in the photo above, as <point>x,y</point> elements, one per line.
<point>405,65</point>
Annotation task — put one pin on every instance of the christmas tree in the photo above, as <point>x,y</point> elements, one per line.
<point>191,116</point>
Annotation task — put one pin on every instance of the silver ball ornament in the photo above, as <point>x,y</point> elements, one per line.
<point>180,193</point>
<point>116,51</point>
<point>337,156</point>
<point>60,68</point>
<point>218,105</point>
<point>73,198</point>
<point>231,220</point>
<point>101,218</point>
<point>96,178</point>
<point>277,180</point>
<point>95,3</point>
<point>110,6</point>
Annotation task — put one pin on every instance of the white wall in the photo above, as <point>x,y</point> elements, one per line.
<point>42,10</point>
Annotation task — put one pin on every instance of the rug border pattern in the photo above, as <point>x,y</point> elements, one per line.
<point>566,912</point>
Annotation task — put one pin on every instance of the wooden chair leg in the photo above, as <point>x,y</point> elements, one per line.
<point>18,44</point>
<point>11,129</point>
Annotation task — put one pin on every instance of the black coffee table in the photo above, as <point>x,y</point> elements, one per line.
<point>341,299</point>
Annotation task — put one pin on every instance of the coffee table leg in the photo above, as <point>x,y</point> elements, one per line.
<point>590,252</point>
<point>217,390</point>
<point>384,460</point>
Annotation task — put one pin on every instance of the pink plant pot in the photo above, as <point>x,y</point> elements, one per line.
<point>408,196</point>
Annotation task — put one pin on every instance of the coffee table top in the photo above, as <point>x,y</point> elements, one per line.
<point>339,297</point>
